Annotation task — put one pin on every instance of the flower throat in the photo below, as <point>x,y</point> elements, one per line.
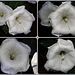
<point>1,15</point>
<point>62,53</point>
<point>19,21</point>
<point>12,56</point>
<point>65,19</point>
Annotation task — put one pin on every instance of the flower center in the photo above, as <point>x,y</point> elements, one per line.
<point>1,15</point>
<point>62,53</point>
<point>65,19</point>
<point>12,56</point>
<point>19,21</point>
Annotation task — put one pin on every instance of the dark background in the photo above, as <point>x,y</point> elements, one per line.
<point>32,43</point>
<point>44,31</point>
<point>42,51</point>
<point>32,8</point>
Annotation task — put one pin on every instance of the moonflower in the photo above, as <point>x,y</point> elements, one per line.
<point>63,20</point>
<point>20,21</point>
<point>5,11</point>
<point>45,11</point>
<point>14,56</point>
<point>34,63</point>
<point>61,56</point>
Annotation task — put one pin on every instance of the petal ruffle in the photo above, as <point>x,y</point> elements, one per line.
<point>21,52</point>
<point>5,10</point>
<point>24,16</point>
<point>60,27</point>
<point>44,12</point>
<point>53,64</point>
<point>66,64</point>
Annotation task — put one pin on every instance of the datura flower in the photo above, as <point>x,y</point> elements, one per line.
<point>63,19</point>
<point>61,56</point>
<point>45,11</point>
<point>34,63</point>
<point>14,56</point>
<point>5,11</point>
<point>20,21</point>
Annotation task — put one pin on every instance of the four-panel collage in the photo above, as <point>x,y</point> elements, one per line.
<point>37,37</point>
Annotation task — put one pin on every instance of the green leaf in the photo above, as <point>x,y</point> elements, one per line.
<point>5,29</point>
<point>14,4</point>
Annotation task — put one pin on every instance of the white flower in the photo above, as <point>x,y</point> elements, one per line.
<point>45,11</point>
<point>34,63</point>
<point>33,2</point>
<point>5,11</point>
<point>63,19</point>
<point>61,56</point>
<point>14,56</point>
<point>20,21</point>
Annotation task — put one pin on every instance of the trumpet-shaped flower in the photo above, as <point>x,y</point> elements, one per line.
<point>5,11</point>
<point>34,63</point>
<point>61,56</point>
<point>45,11</point>
<point>14,56</point>
<point>63,19</point>
<point>20,21</point>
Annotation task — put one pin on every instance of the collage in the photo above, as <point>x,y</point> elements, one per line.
<point>37,37</point>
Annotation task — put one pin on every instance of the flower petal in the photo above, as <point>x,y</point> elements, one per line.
<point>66,65</point>
<point>49,64</point>
<point>44,12</point>
<point>33,2</point>
<point>35,70</point>
<point>34,59</point>
<point>67,44</point>
<point>53,64</point>
<point>5,10</point>
<point>34,63</point>
<point>71,56</point>
<point>52,50</point>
